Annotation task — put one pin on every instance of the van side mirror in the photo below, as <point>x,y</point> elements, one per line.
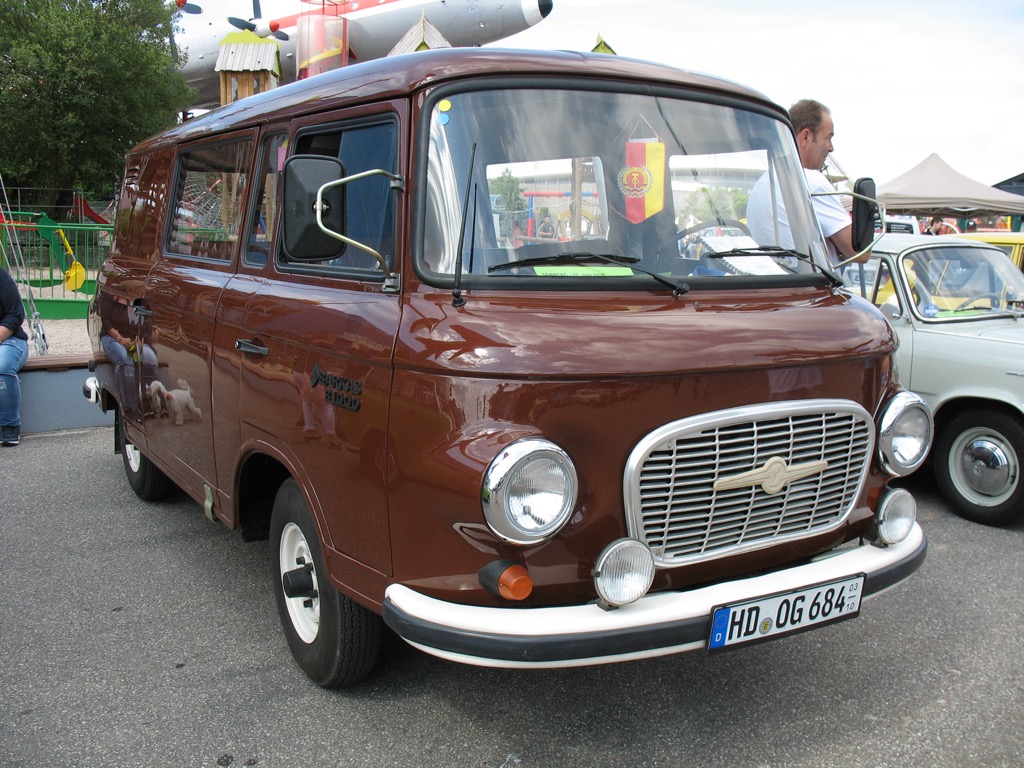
<point>303,239</point>
<point>865,212</point>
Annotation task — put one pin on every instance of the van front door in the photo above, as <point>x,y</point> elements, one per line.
<point>316,343</point>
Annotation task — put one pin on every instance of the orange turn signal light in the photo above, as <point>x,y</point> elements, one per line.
<point>515,583</point>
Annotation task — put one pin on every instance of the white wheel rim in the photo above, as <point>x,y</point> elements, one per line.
<point>134,456</point>
<point>303,611</point>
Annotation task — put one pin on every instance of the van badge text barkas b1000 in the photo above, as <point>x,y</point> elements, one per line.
<point>338,390</point>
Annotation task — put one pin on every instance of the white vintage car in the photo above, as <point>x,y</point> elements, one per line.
<point>958,309</point>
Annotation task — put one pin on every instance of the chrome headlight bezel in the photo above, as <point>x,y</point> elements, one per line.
<point>906,420</point>
<point>511,473</point>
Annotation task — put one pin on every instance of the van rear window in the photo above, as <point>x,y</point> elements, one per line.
<point>207,210</point>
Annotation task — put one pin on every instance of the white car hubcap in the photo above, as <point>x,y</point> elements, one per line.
<point>984,467</point>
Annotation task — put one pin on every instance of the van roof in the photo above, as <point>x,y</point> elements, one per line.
<point>397,76</point>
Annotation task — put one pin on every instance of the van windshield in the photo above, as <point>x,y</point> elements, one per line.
<point>579,185</point>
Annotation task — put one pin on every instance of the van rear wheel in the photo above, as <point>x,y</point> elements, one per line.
<point>148,482</point>
<point>335,640</point>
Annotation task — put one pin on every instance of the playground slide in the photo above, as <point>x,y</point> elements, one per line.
<point>83,209</point>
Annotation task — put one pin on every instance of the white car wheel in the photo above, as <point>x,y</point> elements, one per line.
<point>978,466</point>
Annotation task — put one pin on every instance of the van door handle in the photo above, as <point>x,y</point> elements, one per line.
<point>244,345</point>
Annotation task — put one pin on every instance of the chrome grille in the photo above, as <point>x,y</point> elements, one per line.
<point>746,478</point>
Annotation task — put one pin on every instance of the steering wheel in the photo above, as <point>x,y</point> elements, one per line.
<point>990,296</point>
<point>674,242</point>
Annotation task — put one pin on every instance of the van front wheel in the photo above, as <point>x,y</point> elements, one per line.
<point>335,641</point>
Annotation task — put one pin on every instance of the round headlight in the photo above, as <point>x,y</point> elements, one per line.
<point>905,434</point>
<point>624,572</point>
<point>896,516</point>
<point>529,491</point>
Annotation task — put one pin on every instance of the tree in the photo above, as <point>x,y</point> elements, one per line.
<point>710,204</point>
<point>511,203</point>
<point>81,82</point>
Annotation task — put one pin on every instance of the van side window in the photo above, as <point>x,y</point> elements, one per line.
<point>370,202</point>
<point>263,217</point>
<point>206,209</point>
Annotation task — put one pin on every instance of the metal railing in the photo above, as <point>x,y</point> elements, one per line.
<point>61,259</point>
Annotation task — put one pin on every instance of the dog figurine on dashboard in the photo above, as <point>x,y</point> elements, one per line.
<point>174,402</point>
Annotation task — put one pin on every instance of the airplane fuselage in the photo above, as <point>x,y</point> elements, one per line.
<point>374,28</point>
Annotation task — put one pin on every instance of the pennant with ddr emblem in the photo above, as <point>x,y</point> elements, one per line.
<point>642,179</point>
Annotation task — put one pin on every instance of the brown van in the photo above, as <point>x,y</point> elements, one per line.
<point>480,340</point>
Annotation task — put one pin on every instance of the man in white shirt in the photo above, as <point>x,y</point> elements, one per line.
<point>814,129</point>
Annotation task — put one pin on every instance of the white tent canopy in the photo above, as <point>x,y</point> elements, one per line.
<point>932,187</point>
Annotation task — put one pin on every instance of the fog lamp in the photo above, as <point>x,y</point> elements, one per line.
<point>623,572</point>
<point>896,515</point>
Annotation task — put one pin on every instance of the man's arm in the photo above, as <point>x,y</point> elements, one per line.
<point>835,222</point>
<point>843,241</point>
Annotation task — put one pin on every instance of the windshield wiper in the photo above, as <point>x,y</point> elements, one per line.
<point>988,310</point>
<point>582,257</point>
<point>774,250</point>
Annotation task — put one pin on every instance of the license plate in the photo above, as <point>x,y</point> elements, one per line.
<point>785,613</point>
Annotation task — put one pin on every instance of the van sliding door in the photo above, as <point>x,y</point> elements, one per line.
<point>182,295</point>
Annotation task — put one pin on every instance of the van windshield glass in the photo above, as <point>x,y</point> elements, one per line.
<point>658,183</point>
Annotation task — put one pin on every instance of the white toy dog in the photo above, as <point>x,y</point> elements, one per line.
<point>176,402</point>
<point>157,398</point>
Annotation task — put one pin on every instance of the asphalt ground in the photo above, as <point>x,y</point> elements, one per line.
<point>137,634</point>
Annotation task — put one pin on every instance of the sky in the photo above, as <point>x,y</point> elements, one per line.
<point>902,78</point>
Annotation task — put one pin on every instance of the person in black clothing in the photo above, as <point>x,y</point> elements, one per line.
<point>546,229</point>
<point>13,353</point>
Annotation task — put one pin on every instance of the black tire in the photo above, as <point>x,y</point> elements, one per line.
<point>148,482</point>
<point>335,640</point>
<point>978,465</point>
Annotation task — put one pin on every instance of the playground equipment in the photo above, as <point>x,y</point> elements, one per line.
<point>85,211</point>
<point>54,260</point>
<point>74,275</point>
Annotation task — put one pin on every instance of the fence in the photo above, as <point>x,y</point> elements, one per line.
<point>50,252</point>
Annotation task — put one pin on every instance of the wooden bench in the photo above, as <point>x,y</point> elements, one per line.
<point>55,362</point>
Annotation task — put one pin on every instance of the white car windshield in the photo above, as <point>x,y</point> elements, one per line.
<point>944,283</point>
<point>560,185</point>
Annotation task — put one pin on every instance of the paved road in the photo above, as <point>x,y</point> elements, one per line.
<point>143,635</point>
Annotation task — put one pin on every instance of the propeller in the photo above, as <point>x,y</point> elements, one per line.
<point>255,24</point>
<point>187,7</point>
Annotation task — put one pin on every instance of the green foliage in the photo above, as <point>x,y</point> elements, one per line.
<point>80,83</point>
<point>709,204</point>
<point>511,204</point>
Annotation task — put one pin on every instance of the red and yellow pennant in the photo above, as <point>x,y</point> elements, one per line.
<point>642,180</point>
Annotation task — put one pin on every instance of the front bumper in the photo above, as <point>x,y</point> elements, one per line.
<point>659,624</point>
